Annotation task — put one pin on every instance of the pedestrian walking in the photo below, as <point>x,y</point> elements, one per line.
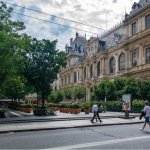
<point>147,115</point>
<point>95,113</point>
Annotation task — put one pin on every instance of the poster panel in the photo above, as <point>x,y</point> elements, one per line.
<point>126,98</point>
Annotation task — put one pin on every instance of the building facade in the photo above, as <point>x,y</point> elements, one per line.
<point>122,51</point>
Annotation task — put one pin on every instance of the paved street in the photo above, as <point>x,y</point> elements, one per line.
<point>101,137</point>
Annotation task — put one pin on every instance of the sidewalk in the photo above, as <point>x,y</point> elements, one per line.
<point>65,121</point>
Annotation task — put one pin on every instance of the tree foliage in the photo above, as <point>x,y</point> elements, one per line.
<point>113,90</point>
<point>9,41</point>
<point>14,88</point>
<point>42,62</point>
<point>79,92</point>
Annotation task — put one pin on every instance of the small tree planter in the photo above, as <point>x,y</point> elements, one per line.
<point>56,108</point>
<point>87,111</point>
<point>61,109</point>
<point>77,110</point>
<point>71,110</point>
<point>21,109</point>
<point>67,110</point>
<point>50,108</point>
<point>27,110</point>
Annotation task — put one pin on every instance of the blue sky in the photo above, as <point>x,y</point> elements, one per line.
<point>99,13</point>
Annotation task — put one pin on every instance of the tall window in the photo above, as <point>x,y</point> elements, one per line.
<point>112,65</point>
<point>62,81</point>
<point>121,61</point>
<point>65,80</point>
<point>134,28</point>
<point>98,68</point>
<point>148,55</point>
<point>85,73</point>
<point>68,79</point>
<point>75,77</point>
<point>91,71</point>
<point>134,59</point>
<point>147,21</point>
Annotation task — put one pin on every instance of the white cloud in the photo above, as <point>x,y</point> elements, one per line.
<point>92,12</point>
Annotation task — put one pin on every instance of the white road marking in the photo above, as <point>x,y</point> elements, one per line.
<point>15,113</point>
<point>84,145</point>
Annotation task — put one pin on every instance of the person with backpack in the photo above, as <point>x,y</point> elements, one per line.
<point>95,113</point>
<point>147,115</point>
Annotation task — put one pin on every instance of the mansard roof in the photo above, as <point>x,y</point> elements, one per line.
<point>136,7</point>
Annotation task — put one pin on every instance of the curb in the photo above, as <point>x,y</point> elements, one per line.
<point>58,128</point>
<point>56,119</point>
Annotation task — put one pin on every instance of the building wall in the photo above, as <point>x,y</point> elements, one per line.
<point>118,42</point>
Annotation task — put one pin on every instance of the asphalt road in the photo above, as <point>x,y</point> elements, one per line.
<point>102,137</point>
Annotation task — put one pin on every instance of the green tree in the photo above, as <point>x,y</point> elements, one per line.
<point>119,84</point>
<point>42,62</point>
<point>14,88</point>
<point>131,87</point>
<point>68,93</point>
<point>9,42</point>
<point>79,92</point>
<point>56,96</point>
<point>99,91</point>
<point>110,91</point>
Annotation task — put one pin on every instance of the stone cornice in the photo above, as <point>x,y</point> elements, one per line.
<point>137,13</point>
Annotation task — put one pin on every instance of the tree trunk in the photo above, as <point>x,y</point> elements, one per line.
<point>43,101</point>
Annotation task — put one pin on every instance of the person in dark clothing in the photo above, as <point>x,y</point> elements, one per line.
<point>95,113</point>
<point>142,115</point>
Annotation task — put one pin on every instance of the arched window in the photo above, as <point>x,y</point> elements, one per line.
<point>121,61</point>
<point>134,59</point>
<point>75,77</point>
<point>98,68</point>
<point>148,55</point>
<point>91,71</point>
<point>85,73</point>
<point>112,65</point>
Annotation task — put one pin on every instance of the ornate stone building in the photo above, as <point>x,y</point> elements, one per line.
<point>122,51</point>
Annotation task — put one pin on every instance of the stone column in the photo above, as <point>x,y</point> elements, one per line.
<point>81,74</point>
<point>127,59</point>
<point>94,70</point>
<point>106,66</point>
<point>116,63</point>
<point>88,90</point>
<point>143,22</point>
<point>72,77</point>
<point>141,55</point>
<point>103,66</point>
<point>88,71</point>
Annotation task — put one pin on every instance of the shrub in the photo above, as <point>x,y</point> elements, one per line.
<point>75,106</point>
<point>27,106</point>
<point>86,105</point>
<point>137,106</point>
<point>2,113</point>
<point>43,112</point>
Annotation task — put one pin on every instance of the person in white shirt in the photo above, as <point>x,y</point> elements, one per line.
<point>147,115</point>
<point>95,112</point>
